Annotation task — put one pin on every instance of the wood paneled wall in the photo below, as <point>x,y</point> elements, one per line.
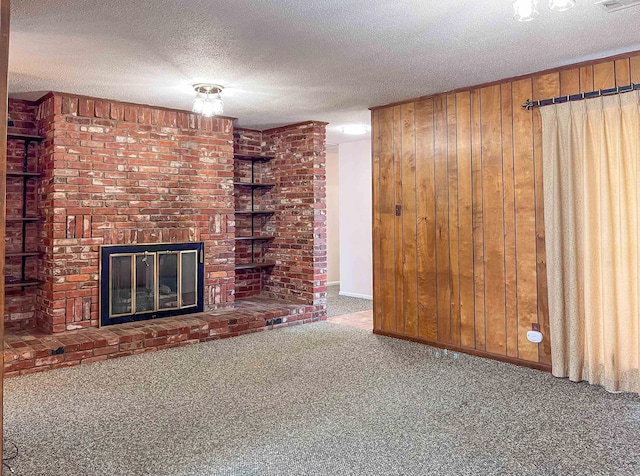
<point>458,223</point>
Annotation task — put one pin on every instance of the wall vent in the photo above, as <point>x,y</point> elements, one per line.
<point>611,6</point>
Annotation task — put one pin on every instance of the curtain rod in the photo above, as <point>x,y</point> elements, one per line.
<point>578,97</point>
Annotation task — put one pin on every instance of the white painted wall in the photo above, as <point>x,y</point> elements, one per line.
<point>355,219</point>
<point>333,217</point>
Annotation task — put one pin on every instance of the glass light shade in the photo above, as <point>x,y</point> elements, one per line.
<point>561,5</point>
<point>525,10</point>
<point>198,104</point>
<point>218,106</point>
<point>207,107</point>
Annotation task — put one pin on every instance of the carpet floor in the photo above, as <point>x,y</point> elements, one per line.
<point>317,399</point>
<point>339,305</point>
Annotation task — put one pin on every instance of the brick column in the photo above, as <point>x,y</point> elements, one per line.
<point>299,198</point>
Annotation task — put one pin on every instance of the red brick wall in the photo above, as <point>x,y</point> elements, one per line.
<point>248,141</point>
<point>117,173</point>
<point>20,309</point>
<point>300,249</point>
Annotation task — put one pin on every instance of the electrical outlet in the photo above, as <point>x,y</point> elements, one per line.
<point>535,327</point>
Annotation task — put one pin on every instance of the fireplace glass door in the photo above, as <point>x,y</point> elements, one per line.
<point>151,283</point>
<point>145,282</point>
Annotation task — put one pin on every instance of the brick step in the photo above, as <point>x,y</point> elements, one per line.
<point>26,353</point>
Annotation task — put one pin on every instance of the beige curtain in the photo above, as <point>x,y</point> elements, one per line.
<point>591,154</point>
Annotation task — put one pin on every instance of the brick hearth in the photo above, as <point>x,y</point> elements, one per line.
<point>28,352</point>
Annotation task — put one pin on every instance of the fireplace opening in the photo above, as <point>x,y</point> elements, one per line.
<point>147,281</point>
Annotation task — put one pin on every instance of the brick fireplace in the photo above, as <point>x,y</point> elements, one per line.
<point>120,174</point>
<point>124,174</point>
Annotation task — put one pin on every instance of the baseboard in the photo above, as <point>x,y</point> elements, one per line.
<point>466,350</point>
<point>333,283</point>
<point>355,295</point>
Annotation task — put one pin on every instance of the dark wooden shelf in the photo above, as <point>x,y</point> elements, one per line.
<point>255,265</point>
<point>21,281</point>
<point>258,262</point>
<point>253,158</point>
<point>21,219</point>
<point>11,173</point>
<point>255,212</point>
<point>22,255</point>
<point>11,284</point>
<point>253,184</point>
<point>28,137</point>
<point>254,238</point>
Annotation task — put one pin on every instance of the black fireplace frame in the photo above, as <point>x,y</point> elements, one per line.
<point>107,251</point>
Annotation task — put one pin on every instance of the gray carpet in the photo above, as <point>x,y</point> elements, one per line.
<point>318,399</point>
<point>340,305</point>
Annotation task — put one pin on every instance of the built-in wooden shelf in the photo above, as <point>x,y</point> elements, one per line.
<point>22,255</point>
<point>28,137</point>
<point>268,264</point>
<point>254,238</point>
<point>21,284</point>
<point>11,173</point>
<point>22,219</point>
<point>253,184</point>
<point>253,158</point>
<point>255,212</point>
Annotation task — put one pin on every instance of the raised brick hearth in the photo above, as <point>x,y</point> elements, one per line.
<point>123,174</point>
<point>30,352</point>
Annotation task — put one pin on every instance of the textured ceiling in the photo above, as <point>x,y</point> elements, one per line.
<point>285,61</point>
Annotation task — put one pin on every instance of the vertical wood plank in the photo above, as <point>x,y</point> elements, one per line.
<point>409,217</point>
<point>634,65</point>
<point>5,12</point>
<point>569,82</point>
<point>426,193</point>
<point>454,244</point>
<point>525,203</point>
<point>465,207</point>
<point>604,75</point>
<point>398,232</point>
<point>525,219</point>
<point>387,222</point>
<point>493,220</point>
<point>442,221</point>
<point>511,292</point>
<point>623,73</point>
<point>478,221</point>
<point>549,84</point>
<point>586,79</point>
<point>375,179</point>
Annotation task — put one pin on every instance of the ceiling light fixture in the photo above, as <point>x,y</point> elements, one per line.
<point>561,5</point>
<point>208,101</point>
<point>525,10</point>
<point>355,129</point>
